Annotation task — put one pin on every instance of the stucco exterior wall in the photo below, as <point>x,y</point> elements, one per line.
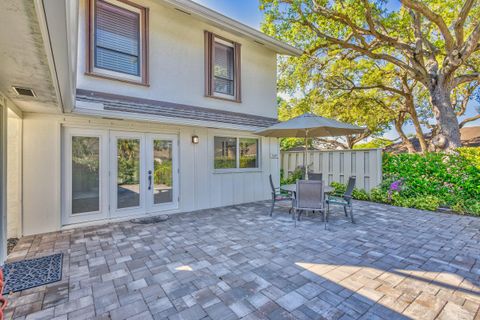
<point>200,186</point>
<point>176,65</point>
<point>14,180</point>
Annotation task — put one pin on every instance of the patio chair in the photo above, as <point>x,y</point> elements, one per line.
<point>277,195</point>
<point>309,197</point>
<point>315,176</point>
<point>345,200</point>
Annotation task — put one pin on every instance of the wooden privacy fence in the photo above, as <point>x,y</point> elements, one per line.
<point>338,165</point>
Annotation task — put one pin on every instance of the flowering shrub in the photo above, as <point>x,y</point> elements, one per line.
<point>395,188</point>
<point>429,181</point>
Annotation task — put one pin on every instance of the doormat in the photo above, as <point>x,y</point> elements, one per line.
<point>150,220</point>
<point>26,274</point>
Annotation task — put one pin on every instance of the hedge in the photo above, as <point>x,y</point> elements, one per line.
<point>427,181</point>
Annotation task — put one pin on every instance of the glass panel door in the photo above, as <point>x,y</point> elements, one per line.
<point>85,175</point>
<point>127,168</point>
<point>162,189</point>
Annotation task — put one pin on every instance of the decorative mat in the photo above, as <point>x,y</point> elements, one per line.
<point>26,274</point>
<point>150,220</point>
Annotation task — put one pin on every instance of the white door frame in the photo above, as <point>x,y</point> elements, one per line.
<point>114,211</point>
<point>102,213</point>
<point>151,206</point>
<point>108,174</point>
<point>3,182</point>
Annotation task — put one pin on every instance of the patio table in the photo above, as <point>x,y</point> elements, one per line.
<point>293,188</point>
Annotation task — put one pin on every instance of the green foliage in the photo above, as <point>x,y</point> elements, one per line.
<point>128,161</point>
<point>447,176</point>
<point>289,143</point>
<point>374,144</point>
<point>471,154</point>
<point>291,178</point>
<point>470,206</point>
<point>428,181</point>
<point>339,188</point>
<point>163,172</point>
<point>248,161</point>
<point>360,194</point>
<point>379,195</point>
<point>225,163</point>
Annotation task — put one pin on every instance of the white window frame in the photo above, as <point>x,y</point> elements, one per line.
<point>237,168</point>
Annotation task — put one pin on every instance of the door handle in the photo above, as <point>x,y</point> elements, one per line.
<point>149,179</point>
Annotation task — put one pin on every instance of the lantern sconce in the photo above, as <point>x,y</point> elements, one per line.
<point>195,139</point>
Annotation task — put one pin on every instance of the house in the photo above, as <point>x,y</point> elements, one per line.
<point>119,108</point>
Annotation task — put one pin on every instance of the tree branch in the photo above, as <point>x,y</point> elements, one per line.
<point>458,24</point>
<point>365,51</point>
<point>435,18</point>
<point>465,78</point>
<point>417,30</point>
<point>464,122</point>
<point>471,45</point>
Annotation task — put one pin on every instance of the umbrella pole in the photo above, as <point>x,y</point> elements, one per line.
<point>305,161</point>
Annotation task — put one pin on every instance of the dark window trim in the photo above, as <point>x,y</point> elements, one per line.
<point>209,75</point>
<point>90,45</point>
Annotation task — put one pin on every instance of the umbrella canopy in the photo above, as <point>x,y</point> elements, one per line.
<point>310,125</point>
<point>307,126</point>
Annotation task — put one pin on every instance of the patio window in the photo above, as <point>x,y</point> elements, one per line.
<point>235,153</point>
<point>117,40</point>
<point>222,68</point>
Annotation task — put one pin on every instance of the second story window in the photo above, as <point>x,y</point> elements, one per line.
<point>222,68</point>
<point>117,40</point>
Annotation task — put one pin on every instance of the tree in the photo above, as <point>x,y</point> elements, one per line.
<point>362,109</point>
<point>388,87</point>
<point>435,43</point>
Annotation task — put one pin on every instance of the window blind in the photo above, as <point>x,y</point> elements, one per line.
<point>117,38</point>
<point>224,68</point>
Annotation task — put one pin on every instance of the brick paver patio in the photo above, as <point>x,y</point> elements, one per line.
<point>237,262</point>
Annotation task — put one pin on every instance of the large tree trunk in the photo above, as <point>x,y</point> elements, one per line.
<point>448,136</point>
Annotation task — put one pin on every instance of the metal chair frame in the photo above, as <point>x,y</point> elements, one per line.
<point>345,200</point>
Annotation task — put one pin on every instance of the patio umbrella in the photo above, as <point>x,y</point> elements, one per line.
<point>309,125</point>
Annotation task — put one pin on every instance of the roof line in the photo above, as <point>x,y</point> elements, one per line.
<point>234,26</point>
<point>129,104</point>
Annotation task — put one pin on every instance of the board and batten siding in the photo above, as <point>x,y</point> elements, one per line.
<point>201,187</point>
<point>339,165</point>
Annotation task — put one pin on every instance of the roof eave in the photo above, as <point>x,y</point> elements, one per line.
<point>217,19</point>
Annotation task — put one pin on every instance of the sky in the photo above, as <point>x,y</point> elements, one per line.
<point>248,12</point>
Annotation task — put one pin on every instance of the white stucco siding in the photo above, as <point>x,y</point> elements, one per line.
<point>176,65</point>
<point>200,186</point>
<point>41,174</point>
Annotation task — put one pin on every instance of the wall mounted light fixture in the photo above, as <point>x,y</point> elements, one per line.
<point>195,139</point>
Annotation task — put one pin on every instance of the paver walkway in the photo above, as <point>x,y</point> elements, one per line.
<point>237,262</point>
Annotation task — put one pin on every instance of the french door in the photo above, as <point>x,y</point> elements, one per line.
<point>110,174</point>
